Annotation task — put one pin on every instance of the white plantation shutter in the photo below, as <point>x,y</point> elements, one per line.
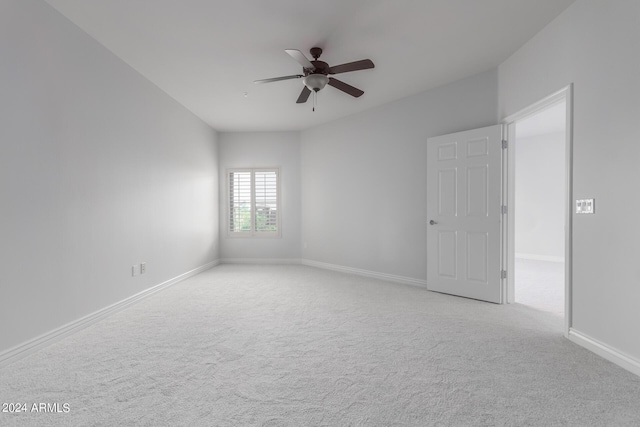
<point>266,197</point>
<point>253,202</point>
<point>240,201</point>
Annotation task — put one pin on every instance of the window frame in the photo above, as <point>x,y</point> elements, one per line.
<point>253,233</point>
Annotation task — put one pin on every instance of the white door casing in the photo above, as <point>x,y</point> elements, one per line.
<point>464,214</point>
<point>563,95</point>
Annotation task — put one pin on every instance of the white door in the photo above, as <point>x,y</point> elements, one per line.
<point>464,213</point>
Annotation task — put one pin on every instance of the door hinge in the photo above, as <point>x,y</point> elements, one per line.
<point>504,209</point>
<point>505,144</point>
<point>503,274</point>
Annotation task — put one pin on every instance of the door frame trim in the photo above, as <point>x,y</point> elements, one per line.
<point>565,94</point>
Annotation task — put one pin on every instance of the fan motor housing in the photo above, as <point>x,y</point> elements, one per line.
<point>321,68</point>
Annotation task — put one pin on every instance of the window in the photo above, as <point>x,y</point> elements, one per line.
<point>253,202</point>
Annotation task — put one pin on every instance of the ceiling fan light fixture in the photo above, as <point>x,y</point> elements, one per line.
<point>316,74</point>
<point>315,82</point>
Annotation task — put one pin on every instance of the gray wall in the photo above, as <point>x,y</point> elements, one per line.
<point>540,196</point>
<point>99,170</point>
<point>594,44</point>
<point>364,177</point>
<point>263,150</point>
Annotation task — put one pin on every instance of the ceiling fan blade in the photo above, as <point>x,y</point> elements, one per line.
<point>302,60</point>
<point>352,66</point>
<point>277,79</point>
<point>304,95</point>
<point>353,91</point>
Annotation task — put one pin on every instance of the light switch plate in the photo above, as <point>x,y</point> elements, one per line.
<point>134,270</point>
<point>585,206</point>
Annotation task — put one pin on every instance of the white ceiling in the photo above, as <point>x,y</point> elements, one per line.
<point>206,53</point>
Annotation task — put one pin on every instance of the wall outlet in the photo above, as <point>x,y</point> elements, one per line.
<point>585,206</point>
<point>143,267</point>
<point>134,270</point>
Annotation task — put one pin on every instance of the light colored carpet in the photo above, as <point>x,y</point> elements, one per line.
<point>298,346</point>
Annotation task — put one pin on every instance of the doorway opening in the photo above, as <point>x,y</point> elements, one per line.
<point>538,194</point>
<point>538,209</point>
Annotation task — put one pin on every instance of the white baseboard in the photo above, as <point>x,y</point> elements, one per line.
<point>35,344</point>
<point>624,361</point>
<point>540,257</point>
<point>261,261</point>
<point>367,273</point>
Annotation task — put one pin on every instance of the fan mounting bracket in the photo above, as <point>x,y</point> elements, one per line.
<point>316,52</point>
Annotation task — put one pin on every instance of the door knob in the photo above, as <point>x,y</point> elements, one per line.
<point>432,222</point>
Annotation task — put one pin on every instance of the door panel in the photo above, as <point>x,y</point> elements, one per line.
<point>464,196</point>
<point>477,258</point>
<point>447,192</point>
<point>447,242</point>
<point>477,187</point>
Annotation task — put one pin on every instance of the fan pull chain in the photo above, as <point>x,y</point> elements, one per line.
<point>314,100</point>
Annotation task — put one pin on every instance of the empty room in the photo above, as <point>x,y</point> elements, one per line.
<point>337,213</point>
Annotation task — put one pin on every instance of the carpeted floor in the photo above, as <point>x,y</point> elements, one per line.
<point>298,346</point>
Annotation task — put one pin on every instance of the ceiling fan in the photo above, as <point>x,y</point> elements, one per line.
<point>316,74</point>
